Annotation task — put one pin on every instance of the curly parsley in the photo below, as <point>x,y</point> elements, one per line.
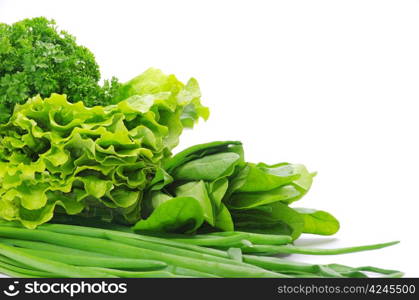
<point>36,58</point>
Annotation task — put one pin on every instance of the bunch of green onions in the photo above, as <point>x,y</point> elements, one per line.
<point>60,250</point>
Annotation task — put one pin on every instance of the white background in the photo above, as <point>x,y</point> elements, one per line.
<point>331,84</point>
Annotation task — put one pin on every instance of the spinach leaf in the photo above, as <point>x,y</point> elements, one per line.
<point>158,198</point>
<point>200,150</point>
<point>198,191</point>
<point>223,220</point>
<point>179,214</point>
<point>160,180</point>
<point>286,194</point>
<point>261,184</point>
<point>318,221</point>
<point>208,168</point>
<point>261,177</point>
<point>275,218</point>
<point>216,190</point>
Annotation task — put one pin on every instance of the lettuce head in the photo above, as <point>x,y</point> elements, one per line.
<point>62,157</point>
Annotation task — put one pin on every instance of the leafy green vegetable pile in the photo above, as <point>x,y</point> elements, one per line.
<point>97,161</point>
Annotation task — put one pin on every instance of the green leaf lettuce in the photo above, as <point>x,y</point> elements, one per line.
<point>60,156</point>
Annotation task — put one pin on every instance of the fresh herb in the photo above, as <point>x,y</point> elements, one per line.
<point>37,58</point>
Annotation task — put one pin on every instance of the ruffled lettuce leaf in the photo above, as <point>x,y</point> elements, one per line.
<point>175,105</point>
<point>57,155</point>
